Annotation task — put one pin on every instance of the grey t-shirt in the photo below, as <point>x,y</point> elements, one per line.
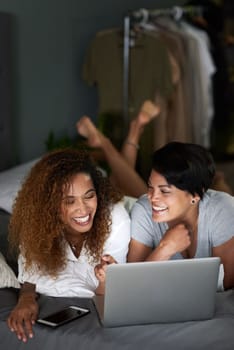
<point>215,223</point>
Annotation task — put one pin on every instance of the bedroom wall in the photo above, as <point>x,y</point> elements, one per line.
<point>49,39</point>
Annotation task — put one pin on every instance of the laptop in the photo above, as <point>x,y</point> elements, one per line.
<point>159,292</point>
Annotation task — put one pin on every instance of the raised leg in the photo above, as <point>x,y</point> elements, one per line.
<point>122,174</point>
<point>130,147</point>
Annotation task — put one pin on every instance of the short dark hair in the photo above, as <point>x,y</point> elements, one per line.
<point>188,166</point>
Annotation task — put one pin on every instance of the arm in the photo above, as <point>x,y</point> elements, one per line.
<point>138,251</point>
<point>221,223</point>
<point>24,315</point>
<point>175,240</point>
<point>226,252</point>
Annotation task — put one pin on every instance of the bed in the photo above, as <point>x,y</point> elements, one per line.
<point>88,333</point>
<point>10,182</point>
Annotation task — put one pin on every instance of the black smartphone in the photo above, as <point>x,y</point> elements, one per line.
<point>63,316</point>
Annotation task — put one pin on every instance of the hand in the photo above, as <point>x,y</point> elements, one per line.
<point>100,269</point>
<point>175,240</point>
<point>23,317</point>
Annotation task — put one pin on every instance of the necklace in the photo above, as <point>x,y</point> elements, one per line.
<point>76,243</point>
<point>76,248</point>
<point>73,247</point>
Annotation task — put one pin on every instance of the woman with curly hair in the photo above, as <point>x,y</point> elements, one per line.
<point>65,218</point>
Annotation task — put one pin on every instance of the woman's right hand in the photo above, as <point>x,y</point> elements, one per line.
<point>100,269</point>
<point>176,239</point>
<point>100,272</point>
<point>23,316</point>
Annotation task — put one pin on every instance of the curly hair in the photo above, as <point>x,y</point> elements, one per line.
<point>36,225</point>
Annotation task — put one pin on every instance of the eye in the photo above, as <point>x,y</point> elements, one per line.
<point>150,187</point>
<point>165,191</point>
<point>68,200</point>
<point>150,190</point>
<point>90,195</point>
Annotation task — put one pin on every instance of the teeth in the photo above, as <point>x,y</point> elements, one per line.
<point>159,208</point>
<point>82,220</point>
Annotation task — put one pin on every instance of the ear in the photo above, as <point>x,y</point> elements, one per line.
<point>195,199</point>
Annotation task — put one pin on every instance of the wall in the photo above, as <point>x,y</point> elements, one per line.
<point>49,39</point>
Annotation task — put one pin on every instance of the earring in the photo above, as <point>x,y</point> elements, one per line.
<point>193,201</point>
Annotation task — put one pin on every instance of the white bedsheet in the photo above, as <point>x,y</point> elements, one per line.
<point>10,182</point>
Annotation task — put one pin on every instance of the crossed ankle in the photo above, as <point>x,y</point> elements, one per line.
<point>132,144</point>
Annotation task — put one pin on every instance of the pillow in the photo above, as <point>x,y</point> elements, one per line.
<point>10,182</point>
<point>128,203</point>
<point>7,276</point>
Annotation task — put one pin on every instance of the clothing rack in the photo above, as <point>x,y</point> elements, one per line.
<point>143,16</point>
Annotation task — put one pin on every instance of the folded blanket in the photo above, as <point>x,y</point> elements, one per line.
<point>10,182</point>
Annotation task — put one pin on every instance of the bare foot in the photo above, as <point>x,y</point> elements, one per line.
<point>220,184</point>
<point>86,128</point>
<point>148,111</point>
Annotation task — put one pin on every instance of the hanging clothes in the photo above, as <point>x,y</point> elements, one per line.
<point>197,74</point>
<point>205,70</point>
<point>149,74</point>
<point>212,22</point>
<point>169,62</point>
<point>174,122</point>
<point>150,70</point>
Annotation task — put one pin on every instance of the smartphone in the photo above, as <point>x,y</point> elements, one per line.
<point>63,316</point>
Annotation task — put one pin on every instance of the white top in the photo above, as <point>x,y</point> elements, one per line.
<point>78,278</point>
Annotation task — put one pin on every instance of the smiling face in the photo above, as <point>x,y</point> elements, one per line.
<point>79,204</point>
<point>169,204</point>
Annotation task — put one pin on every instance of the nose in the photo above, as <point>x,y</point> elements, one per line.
<point>80,206</point>
<point>154,194</point>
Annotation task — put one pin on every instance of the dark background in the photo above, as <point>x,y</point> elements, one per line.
<point>48,42</point>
